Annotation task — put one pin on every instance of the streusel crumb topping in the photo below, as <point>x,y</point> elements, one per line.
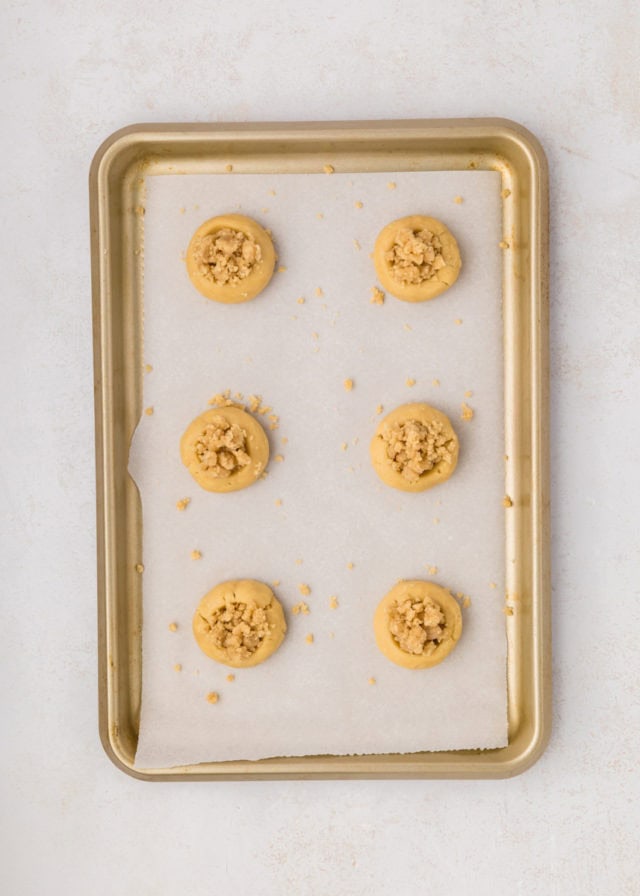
<point>227,256</point>
<point>415,448</point>
<point>222,448</point>
<point>417,624</point>
<point>238,628</point>
<point>416,256</point>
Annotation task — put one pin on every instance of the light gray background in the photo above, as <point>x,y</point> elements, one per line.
<point>73,72</point>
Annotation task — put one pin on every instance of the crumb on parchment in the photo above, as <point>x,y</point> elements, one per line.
<point>350,565</point>
<point>432,570</point>
<point>348,385</point>
<point>196,555</point>
<point>213,697</point>
<point>279,458</point>
<point>231,677</point>
<point>410,382</point>
<point>391,185</point>
<point>379,408</point>
<point>435,382</point>
<point>309,638</point>
<point>319,292</point>
<point>458,200</point>
<point>177,667</point>
<point>358,204</point>
<point>278,502</point>
<point>275,583</point>
<point>301,300</point>
<point>466,413</point>
<point>183,503</point>
<point>300,608</point>
<point>173,626</point>
<point>371,681</point>
<point>149,411</point>
<point>304,589</point>
<point>333,602</point>
<point>377,296</point>
<point>148,368</point>
<point>344,446</point>
<point>458,321</point>
<point>357,245</point>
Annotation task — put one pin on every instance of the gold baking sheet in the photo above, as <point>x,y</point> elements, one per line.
<point>116,188</point>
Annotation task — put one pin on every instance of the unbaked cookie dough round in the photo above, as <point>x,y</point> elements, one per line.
<point>230,259</point>
<point>225,449</point>
<point>416,258</point>
<point>414,448</point>
<point>417,624</point>
<point>239,623</point>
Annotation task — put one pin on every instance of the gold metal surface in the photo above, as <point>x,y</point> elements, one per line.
<point>116,198</point>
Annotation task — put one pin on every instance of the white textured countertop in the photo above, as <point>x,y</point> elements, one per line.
<point>73,73</point>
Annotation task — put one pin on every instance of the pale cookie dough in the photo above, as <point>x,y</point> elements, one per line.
<point>225,449</point>
<point>239,623</point>
<point>414,448</point>
<point>230,259</point>
<point>416,258</point>
<point>417,624</point>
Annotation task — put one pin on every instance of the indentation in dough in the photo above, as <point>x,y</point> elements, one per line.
<point>417,625</point>
<point>415,256</point>
<point>226,256</point>
<point>221,448</point>
<point>414,447</point>
<point>237,628</point>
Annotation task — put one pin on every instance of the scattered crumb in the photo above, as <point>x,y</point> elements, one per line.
<point>458,200</point>
<point>332,635</point>
<point>328,169</point>
<point>333,602</point>
<point>265,211</point>
<point>254,403</point>
<point>301,300</point>
<point>173,626</point>
<point>407,327</point>
<point>272,192</point>
<point>315,335</point>
<point>285,440</point>
<point>466,412</point>
<point>278,502</point>
<point>410,382</point>
<point>505,193</point>
<point>348,385</point>
<point>177,667</point>
<point>466,601</point>
<point>281,269</point>
<point>391,185</point>
<point>213,697</point>
<point>228,168</point>
<point>358,204</point>
<point>357,245</point>
<point>231,677</point>
<point>139,567</point>
<point>148,368</point>
<point>182,210</point>
<point>276,583</point>
<point>355,440</point>
<point>319,216</point>
<point>468,394</point>
<point>319,291</point>
<point>264,410</point>
<point>149,411</point>
<point>492,585</point>
<point>458,321</point>
<point>239,396</point>
<point>435,382</point>
<point>371,681</point>
<point>278,458</point>
<point>304,590</point>
<point>309,638</point>
<point>436,520</point>
<point>377,296</point>
<point>183,503</point>
<point>432,570</point>
<point>508,611</point>
<point>299,561</point>
<point>344,446</point>
<point>350,565</point>
<point>507,502</point>
<point>196,555</point>
<point>300,607</point>
<point>503,244</point>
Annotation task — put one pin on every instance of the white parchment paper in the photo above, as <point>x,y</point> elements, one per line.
<point>316,698</point>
